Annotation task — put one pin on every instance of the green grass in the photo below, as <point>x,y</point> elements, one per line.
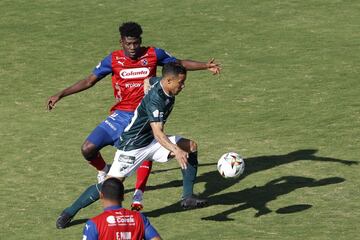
<point>288,100</point>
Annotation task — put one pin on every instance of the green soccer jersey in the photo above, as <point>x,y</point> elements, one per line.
<point>156,106</point>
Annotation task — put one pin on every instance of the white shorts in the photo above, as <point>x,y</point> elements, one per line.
<point>126,162</point>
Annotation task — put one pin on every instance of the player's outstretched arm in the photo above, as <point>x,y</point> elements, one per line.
<point>211,65</point>
<point>180,155</point>
<point>81,85</point>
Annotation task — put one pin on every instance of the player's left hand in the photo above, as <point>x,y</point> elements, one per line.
<point>213,66</point>
<point>181,156</point>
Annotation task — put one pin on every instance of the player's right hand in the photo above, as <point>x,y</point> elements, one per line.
<point>51,102</point>
<point>182,158</point>
<point>146,85</point>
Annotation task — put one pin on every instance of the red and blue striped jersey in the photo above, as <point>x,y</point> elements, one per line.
<point>117,223</point>
<point>128,75</point>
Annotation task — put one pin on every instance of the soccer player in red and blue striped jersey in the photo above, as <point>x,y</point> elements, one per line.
<point>117,222</point>
<point>129,68</point>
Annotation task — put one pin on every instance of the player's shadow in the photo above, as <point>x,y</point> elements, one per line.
<point>215,184</point>
<point>262,163</point>
<point>258,197</point>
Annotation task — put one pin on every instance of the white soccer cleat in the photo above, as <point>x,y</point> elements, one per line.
<point>101,176</point>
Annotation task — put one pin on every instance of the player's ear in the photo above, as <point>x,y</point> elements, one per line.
<point>140,40</point>
<point>169,79</point>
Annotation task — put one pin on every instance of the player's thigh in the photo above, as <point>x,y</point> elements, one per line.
<point>97,139</point>
<point>160,154</point>
<point>109,130</point>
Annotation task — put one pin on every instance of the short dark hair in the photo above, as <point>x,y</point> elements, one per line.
<point>173,68</point>
<point>130,29</point>
<point>113,189</point>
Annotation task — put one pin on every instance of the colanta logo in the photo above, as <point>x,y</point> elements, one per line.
<point>134,73</point>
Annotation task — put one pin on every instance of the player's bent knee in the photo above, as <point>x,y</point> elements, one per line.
<point>193,146</point>
<point>89,150</point>
<point>187,145</point>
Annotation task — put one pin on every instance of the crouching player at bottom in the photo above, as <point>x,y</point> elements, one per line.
<point>117,222</point>
<point>144,137</point>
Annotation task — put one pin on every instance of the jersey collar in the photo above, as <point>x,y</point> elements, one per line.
<point>115,207</point>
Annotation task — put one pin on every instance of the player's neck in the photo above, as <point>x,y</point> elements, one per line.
<point>110,203</point>
<point>166,91</point>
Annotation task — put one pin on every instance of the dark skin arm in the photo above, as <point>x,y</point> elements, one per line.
<point>81,85</point>
<point>211,65</point>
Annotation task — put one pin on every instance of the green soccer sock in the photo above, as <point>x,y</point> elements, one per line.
<point>88,197</point>
<point>189,175</point>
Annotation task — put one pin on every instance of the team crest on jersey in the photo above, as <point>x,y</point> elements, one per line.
<point>144,62</point>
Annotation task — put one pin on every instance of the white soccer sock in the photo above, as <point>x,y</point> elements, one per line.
<point>105,169</point>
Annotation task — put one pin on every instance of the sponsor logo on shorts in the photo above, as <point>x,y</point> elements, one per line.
<point>134,73</point>
<point>126,159</point>
<point>110,125</point>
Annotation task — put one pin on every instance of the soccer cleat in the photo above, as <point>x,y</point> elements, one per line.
<point>137,199</point>
<point>193,202</point>
<point>137,206</point>
<point>101,176</point>
<point>63,220</point>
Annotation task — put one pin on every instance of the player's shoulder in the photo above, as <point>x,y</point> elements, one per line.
<point>118,53</point>
<point>155,90</point>
<point>99,218</point>
<point>148,50</point>
<point>157,95</point>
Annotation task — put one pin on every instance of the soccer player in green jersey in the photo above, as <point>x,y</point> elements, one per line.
<point>144,137</point>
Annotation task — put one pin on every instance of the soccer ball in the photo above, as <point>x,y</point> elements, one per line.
<point>231,165</point>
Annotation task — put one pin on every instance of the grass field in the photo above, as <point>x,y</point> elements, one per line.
<point>288,100</point>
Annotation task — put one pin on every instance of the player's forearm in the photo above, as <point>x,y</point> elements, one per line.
<point>77,87</point>
<point>193,65</point>
<point>165,141</point>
